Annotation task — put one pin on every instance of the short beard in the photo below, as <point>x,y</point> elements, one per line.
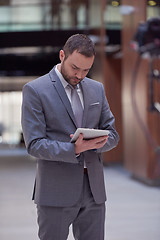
<point>64,74</point>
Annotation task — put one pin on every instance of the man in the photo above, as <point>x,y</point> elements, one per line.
<point>69,186</point>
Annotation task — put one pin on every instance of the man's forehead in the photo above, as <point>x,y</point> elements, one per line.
<point>80,61</point>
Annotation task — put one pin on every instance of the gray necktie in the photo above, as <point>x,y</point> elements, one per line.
<point>76,105</point>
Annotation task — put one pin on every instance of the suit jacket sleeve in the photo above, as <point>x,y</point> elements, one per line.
<point>107,121</point>
<point>34,130</point>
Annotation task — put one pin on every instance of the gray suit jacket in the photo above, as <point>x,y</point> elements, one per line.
<point>47,122</point>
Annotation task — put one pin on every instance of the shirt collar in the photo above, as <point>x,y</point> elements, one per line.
<point>63,81</point>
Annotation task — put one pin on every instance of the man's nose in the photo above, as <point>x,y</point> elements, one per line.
<point>79,75</point>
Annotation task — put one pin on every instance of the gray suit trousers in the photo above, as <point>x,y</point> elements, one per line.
<point>87,218</point>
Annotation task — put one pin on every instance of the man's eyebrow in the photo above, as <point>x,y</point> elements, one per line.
<point>75,66</point>
<point>87,69</point>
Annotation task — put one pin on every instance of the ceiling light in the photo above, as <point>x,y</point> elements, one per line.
<point>152,3</point>
<point>115,3</point>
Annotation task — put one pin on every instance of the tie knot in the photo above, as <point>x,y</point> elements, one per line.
<point>72,87</point>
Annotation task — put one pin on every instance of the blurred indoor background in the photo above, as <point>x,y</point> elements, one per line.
<point>128,47</point>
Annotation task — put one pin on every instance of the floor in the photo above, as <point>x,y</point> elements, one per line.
<point>133,209</point>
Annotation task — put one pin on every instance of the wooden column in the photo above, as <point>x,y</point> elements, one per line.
<point>139,155</point>
<point>111,69</point>
<point>112,83</point>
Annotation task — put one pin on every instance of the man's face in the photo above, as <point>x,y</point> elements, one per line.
<point>75,67</point>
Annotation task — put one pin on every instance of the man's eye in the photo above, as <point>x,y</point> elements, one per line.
<point>74,67</point>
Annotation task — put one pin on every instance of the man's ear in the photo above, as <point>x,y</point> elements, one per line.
<point>61,55</point>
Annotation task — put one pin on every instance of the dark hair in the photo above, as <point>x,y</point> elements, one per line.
<point>80,43</point>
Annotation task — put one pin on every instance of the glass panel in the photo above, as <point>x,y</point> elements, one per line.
<point>153,11</point>
<point>53,14</point>
<point>19,18</point>
<point>113,17</point>
<point>42,15</point>
<point>24,2</point>
<point>10,117</point>
<point>80,16</point>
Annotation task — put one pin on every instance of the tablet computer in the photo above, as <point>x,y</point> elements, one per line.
<point>89,133</point>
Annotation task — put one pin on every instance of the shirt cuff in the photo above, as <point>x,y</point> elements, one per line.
<point>77,155</point>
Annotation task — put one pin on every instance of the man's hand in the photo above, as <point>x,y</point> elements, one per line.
<point>82,145</point>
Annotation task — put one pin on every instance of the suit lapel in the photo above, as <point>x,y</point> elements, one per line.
<point>62,94</point>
